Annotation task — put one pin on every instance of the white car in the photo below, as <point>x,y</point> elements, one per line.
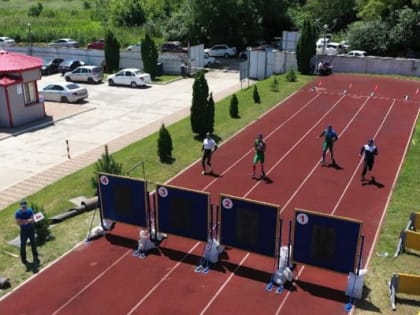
<point>330,48</point>
<point>7,41</point>
<point>220,50</point>
<point>64,43</point>
<point>130,76</point>
<point>66,92</point>
<point>322,41</point>
<point>208,61</point>
<point>357,53</point>
<point>135,47</point>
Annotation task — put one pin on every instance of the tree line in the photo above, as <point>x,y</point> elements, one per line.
<point>381,27</point>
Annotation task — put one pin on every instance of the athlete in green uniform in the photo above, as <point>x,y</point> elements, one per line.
<point>259,146</point>
<point>330,136</point>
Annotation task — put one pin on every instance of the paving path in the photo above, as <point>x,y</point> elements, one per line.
<point>36,155</point>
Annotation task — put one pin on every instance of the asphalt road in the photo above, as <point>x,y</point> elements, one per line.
<point>110,113</point>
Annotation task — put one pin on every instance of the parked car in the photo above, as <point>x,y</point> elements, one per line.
<point>130,76</point>
<point>356,53</point>
<point>97,44</point>
<point>90,74</point>
<point>330,48</point>
<point>7,41</point>
<point>325,67</point>
<point>66,92</point>
<point>208,61</point>
<point>220,50</point>
<point>321,41</point>
<point>69,65</point>
<point>50,66</point>
<point>173,47</point>
<point>64,43</point>
<point>135,47</point>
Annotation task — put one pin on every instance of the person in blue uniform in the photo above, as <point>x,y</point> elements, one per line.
<point>24,217</point>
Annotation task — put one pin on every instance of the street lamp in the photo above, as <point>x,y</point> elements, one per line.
<point>325,27</point>
<point>30,38</point>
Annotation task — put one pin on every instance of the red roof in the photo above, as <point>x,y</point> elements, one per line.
<point>13,62</point>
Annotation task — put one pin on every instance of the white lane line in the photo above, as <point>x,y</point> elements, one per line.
<point>162,279</point>
<point>268,136</point>
<point>224,285</point>
<point>361,160</point>
<point>296,143</point>
<point>407,146</point>
<point>350,179</point>
<point>90,283</point>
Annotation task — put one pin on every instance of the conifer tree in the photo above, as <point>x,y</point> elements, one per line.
<point>233,108</point>
<point>199,106</point>
<point>210,113</point>
<point>256,95</point>
<point>164,144</point>
<point>112,52</point>
<point>106,164</point>
<point>149,56</point>
<point>305,47</point>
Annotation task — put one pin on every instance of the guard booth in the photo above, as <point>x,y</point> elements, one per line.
<point>19,99</point>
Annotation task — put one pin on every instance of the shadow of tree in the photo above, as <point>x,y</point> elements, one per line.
<point>168,160</point>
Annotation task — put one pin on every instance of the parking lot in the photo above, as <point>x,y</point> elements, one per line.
<point>109,113</point>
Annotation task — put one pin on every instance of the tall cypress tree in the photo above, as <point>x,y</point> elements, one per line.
<point>149,55</point>
<point>199,108</point>
<point>164,144</point>
<point>305,47</point>
<point>112,52</point>
<point>210,114</point>
<point>233,108</point>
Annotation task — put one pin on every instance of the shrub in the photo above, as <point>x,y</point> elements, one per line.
<point>106,164</point>
<point>275,85</point>
<point>35,9</point>
<point>164,145</point>
<point>233,108</point>
<point>291,75</point>
<point>42,228</point>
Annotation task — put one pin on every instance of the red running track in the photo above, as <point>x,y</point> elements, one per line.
<point>102,277</point>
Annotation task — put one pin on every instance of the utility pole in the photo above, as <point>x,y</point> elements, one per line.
<point>30,39</point>
<point>325,27</point>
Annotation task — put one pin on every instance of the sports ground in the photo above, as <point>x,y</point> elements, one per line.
<point>103,277</point>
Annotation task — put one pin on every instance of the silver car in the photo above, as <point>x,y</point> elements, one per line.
<point>65,42</point>
<point>90,74</point>
<point>135,47</point>
<point>7,41</point>
<point>66,92</point>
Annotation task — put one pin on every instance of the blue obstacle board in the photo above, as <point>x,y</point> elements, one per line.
<point>249,225</point>
<point>326,241</point>
<point>183,212</point>
<point>123,199</point>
